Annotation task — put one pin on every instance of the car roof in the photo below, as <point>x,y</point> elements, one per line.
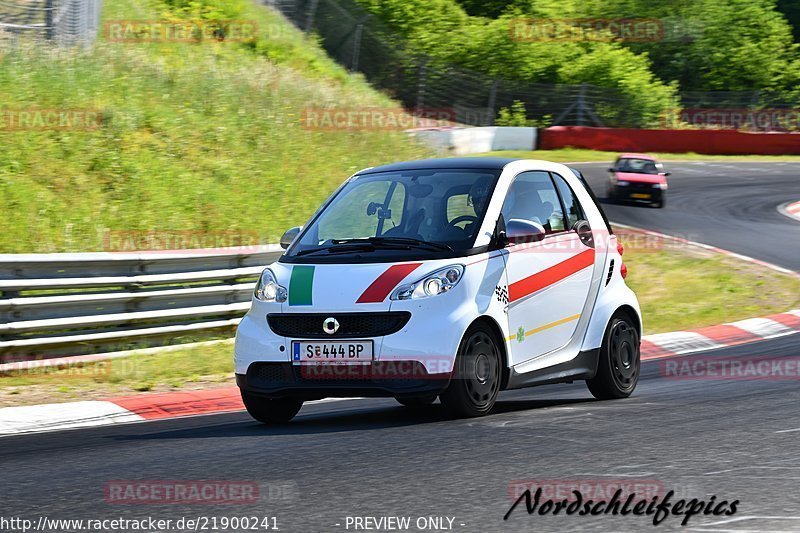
<point>478,163</point>
<point>636,156</point>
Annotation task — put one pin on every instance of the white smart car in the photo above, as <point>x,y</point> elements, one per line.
<point>450,278</point>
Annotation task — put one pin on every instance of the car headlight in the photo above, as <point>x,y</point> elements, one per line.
<point>437,282</point>
<point>268,289</point>
<point>662,186</point>
<point>622,184</point>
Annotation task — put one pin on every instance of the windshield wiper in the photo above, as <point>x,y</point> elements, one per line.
<point>339,249</point>
<point>392,242</point>
<point>370,244</point>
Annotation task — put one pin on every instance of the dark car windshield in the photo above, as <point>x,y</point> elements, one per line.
<point>399,215</point>
<point>638,166</point>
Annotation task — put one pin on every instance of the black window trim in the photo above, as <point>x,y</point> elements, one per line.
<point>574,199</point>
<point>558,195</point>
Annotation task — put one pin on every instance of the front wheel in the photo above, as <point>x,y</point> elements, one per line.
<point>271,410</point>
<point>476,380</point>
<point>619,361</point>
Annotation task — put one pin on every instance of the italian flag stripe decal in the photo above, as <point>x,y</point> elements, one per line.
<point>301,285</point>
<point>383,285</point>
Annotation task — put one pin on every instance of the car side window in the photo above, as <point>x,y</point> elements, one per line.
<point>458,205</point>
<point>571,204</point>
<point>532,196</point>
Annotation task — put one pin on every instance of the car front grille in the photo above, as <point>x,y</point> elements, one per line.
<point>351,325</point>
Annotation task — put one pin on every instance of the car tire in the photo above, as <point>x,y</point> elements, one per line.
<point>619,361</point>
<point>271,410</point>
<point>476,381</point>
<point>661,203</point>
<point>416,402</point>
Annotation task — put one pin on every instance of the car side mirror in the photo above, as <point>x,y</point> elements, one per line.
<point>289,236</point>
<point>612,169</point>
<point>520,231</point>
<point>666,174</point>
<point>584,231</point>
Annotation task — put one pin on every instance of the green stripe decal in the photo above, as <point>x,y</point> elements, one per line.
<point>301,285</point>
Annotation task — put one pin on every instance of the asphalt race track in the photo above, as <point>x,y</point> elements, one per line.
<point>734,439</point>
<point>729,205</point>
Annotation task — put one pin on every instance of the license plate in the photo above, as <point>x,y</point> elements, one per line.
<point>639,195</point>
<point>349,352</point>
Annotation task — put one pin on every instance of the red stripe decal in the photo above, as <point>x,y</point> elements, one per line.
<point>383,285</point>
<point>549,276</point>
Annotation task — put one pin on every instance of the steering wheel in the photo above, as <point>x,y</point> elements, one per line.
<point>463,218</point>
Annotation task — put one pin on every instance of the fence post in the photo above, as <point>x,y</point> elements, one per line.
<point>356,47</point>
<point>491,104</point>
<point>312,11</point>
<point>49,19</point>
<point>581,103</point>
<point>423,73</point>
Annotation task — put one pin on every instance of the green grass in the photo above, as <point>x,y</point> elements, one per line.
<point>687,288</point>
<point>203,137</point>
<point>677,287</point>
<point>199,367</point>
<point>570,155</point>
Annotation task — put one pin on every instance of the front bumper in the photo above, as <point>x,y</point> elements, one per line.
<point>639,194</point>
<point>310,382</point>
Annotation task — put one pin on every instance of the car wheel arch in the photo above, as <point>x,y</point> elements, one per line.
<point>492,324</point>
<point>631,314</point>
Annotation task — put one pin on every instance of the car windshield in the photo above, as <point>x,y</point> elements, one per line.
<point>638,166</point>
<point>408,213</point>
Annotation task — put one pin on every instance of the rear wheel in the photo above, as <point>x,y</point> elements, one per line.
<point>476,381</point>
<point>271,410</point>
<point>619,361</point>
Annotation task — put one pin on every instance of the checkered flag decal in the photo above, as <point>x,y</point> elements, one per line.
<point>502,294</point>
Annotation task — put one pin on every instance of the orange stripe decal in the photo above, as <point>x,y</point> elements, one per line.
<point>550,276</point>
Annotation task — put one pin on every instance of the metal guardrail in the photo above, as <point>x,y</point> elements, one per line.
<point>55,305</point>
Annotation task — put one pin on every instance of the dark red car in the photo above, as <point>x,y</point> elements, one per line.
<point>638,178</point>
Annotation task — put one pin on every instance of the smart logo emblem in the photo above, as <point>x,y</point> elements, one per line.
<point>330,326</point>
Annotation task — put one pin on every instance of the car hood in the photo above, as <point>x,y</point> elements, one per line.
<point>640,178</point>
<point>346,287</point>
